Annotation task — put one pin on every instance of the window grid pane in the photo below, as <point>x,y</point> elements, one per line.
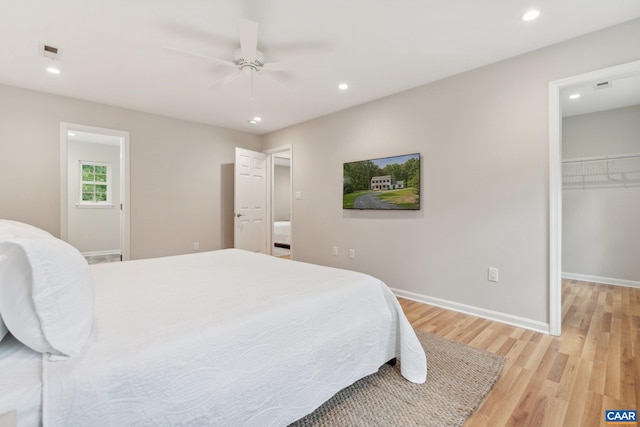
<point>94,183</point>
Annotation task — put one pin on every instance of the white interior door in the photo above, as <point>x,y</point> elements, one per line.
<point>250,229</point>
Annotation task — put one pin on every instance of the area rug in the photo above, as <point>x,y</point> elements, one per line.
<point>458,379</point>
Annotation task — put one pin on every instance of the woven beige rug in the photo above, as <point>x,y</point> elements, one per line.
<point>458,379</point>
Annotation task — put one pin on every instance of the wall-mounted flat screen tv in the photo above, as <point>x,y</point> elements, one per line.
<point>385,183</point>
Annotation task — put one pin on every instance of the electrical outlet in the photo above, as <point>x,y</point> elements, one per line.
<point>352,253</point>
<point>196,246</point>
<point>335,251</point>
<point>493,274</point>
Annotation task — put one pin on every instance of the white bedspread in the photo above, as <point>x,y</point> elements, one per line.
<point>226,338</point>
<point>20,382</point>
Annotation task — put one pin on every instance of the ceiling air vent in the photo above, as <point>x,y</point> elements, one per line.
<point>602,85</point>
<point>49,51</point>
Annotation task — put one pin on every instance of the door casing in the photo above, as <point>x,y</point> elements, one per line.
<point>125,226</point>
<point>555,180</point>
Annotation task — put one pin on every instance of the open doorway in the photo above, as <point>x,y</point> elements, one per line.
<point>281,196</point>
<point>559,92</point>
<point>601,181</point>
<point>94,192</point>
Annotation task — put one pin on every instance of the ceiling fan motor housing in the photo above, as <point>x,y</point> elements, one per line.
<point>242,63</point>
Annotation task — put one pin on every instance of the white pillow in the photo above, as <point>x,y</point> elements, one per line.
<point>47,295</point>
<point>19,230</point>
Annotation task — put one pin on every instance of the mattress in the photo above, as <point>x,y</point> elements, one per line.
<point>20,382</point>
<point>282,233</point>
<point>224,338</point>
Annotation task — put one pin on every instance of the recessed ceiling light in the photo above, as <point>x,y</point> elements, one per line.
<point>252,122</point>
<point>531,15</point>
<point>574,96</point>
<point>343,86</point>
<point>257,119</point>
<point>53,70</point>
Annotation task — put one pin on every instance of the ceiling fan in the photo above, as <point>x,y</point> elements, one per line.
<point>246,60</point>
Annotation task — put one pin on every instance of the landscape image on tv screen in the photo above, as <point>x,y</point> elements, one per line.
<point>385,183</point>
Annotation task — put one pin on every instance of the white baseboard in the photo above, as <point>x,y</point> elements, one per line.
<point>496,316</point>
<point>98,253</point>
<point>603,280</point>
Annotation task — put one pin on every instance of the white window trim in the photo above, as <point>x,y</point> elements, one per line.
<point>83,204</point>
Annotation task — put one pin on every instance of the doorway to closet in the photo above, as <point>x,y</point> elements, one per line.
<point>589,173</point>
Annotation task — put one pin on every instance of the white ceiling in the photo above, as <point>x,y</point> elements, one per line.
<point>92,138</point>
<point>601,95</point>
<point>111,51</point>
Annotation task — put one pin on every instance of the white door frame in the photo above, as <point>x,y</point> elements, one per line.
<point>272,152</point>
<point>555,180</point>
<point>125,226</point>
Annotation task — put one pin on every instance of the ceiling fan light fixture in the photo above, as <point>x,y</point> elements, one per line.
<point>343,86</point>
<point>245,65</point>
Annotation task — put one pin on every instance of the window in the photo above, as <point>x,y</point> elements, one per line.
<point>95,183</point>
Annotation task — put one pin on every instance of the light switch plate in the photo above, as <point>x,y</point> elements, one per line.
<point>493,274</point>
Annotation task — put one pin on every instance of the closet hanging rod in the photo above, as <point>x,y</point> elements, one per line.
<point>618,169</point>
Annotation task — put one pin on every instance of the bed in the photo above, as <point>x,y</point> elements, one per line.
<point>226,337</point>
<point>282,234</point>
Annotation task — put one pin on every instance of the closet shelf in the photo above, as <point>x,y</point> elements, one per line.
<point>618,170</point>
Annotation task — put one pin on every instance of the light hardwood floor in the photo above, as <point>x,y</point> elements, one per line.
<point>554,381</point>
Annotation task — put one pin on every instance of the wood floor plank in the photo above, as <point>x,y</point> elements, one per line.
<point>554,409</point>
<point>578,392</point>
<point>596,384</point>
<point>568,378</point>
<point>592,415</point>
<point>558,366</point>
<point>554,381</point>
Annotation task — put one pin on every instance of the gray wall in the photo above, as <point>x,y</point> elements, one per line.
<point>181,172</point>
<point>483,137</point>
<point>600,232</point>
<point>599,134</point>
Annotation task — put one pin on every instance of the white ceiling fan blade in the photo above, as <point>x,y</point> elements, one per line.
<point>226,80</point>
<point>200,56</point>
<point>281,81</point>
<point>289,64</point>
<point>248,39</point>
<point>276,66</point>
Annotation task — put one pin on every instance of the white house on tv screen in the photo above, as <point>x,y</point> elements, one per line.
<point>384,183</point>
